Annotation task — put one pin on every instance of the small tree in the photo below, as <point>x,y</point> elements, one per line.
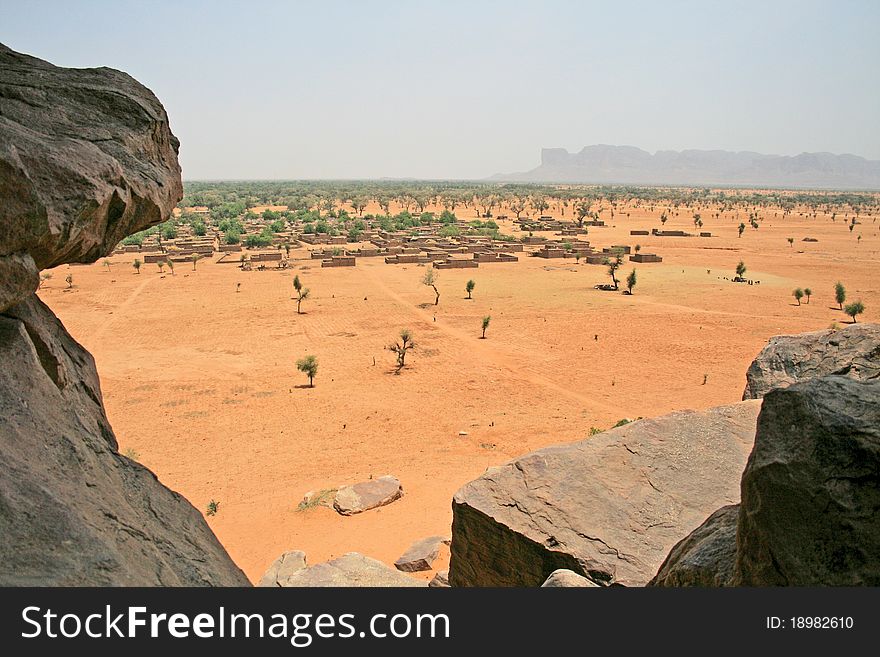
<point>741,229</point>
<point>161,265</point>
<point>740,270</point>
<point>853,309</point>
<point>137,265</point>
<point>839,294</point>
<point>798,294</point>
<point>195,258</point>
<point>469,287</point>
<point>401,347</point>
<point>631,281</point>
<point>302,293</point>
<point>486,320</point>
<point>170,266</point>
<point>431,281</point>
<point>308,365</point>
<point>69,280</point>
<point>790,241</point>
<point>808,293</point>
<point>613,265</point>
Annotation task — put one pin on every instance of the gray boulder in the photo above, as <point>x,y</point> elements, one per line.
<point>421,555</point>
<point>563,578</point>
<point>811,489</point>
<point>706,556</point>
<point>367,495</point>
<point>440,580</point>
<point>283,567</point>
<point>350,570</point>
<point>852,351</point>
<point>86,158</point>
<point>609,508</point>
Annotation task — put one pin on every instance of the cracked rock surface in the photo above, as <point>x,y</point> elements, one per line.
<point>609,507</point>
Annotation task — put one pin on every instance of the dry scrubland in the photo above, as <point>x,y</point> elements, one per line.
<point>200,382</point>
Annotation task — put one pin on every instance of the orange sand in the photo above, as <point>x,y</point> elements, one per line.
<point>200,381</point>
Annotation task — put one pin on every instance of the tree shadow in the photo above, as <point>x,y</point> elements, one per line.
<point>302,386</point>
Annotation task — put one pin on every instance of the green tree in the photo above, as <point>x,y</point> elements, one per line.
<point>401,347</point>
<point>853,309</point>
<point>613,265</point>
<point>631,281</point>
<point>740,270</point>
<point>790,241</point>
<point>469,287</point>
<point>137,265</point>
<point>308,365</point>
<point>839,294</point>
<point>195,258</point>
<point>741,229</point>
<point>170,266</point>
<point>486,320</point>
<point>431,281</point>
<point>302,293</point>
<point>798,294</point>
<point>808,293</point>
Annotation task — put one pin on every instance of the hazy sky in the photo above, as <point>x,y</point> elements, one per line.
<point>449,89</point>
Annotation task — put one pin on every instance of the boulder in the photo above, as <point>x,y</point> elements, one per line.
<point>86,158</point>
<point>367,495</point>
<point>73,512</point>
<point>440,580</point>
<point>609,507</point>
<point>351,570</point>
<point>283,567</point>
<point>421,554</point>
<point>563,578</point>
<point>811,489</point>
<point>706,556</point>
<point>852,351</point>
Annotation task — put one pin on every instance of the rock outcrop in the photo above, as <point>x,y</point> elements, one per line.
<point>421,555</point>
<point>367,495</point>
<point>810,497</point>
<point>86,157</point>
<point>283,567</point>
<point>567,579</point>
<point>608,508</point>
<point>350,570</point>
<point>706,557</point>
<point>811,489</point>
<point>853,351</point>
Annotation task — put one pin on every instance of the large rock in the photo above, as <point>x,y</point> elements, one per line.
<point>352,570</point>
<point>283,567</point>
<point>421,555</point>
<point>86,158</point>
<point>566,579</point>
<point>705,557</point>
<point>811,489</point>
<point>853,351</point>
<point>367,495</point>
<point>74,512</point>
<point>609,507</point>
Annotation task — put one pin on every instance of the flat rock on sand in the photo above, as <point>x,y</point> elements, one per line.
<point>421,554</point>
<point>351,570</point>
<point>609,507</point>
<point>367,495</point>
<point>283,567</point>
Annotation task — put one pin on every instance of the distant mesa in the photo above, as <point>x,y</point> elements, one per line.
<point>604,164</point>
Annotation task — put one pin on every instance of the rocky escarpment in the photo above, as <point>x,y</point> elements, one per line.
<point>86,157</point>
<point>852,351</point>
<point>810,497</point>
<point>608,508</point>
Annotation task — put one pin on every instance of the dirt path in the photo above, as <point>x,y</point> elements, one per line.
<point>120,309</point>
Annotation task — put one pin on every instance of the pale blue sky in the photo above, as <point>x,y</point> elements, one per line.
<point>465,89</point>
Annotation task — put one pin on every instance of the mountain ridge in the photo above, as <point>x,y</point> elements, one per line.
<point>608,164</point>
